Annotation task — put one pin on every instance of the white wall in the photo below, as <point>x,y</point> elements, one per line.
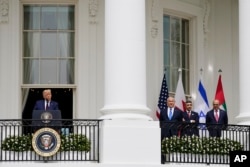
<point>90,61</point>
<point>10,64</point>
<point>222,53</point>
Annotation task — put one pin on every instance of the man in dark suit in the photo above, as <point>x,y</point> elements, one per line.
<point>191,121</point>
<point>170,119</point>
<point>170,122</point>
<point>46,103</point>
<point>216,120</point>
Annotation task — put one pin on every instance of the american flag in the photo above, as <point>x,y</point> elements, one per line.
<point>163,97</point>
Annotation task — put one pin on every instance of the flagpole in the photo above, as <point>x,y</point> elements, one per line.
<point>201,71</point>
<point>179,71</point>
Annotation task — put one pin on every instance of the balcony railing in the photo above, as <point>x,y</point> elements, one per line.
<point>78,139</point>
<point>212,147</point>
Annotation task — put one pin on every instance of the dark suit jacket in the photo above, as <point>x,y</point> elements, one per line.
<point>40,105</point>
<point>189,128</point>
<point>170,127</point>
<point>213,126</point>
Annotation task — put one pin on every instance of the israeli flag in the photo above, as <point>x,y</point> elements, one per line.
<point>201,104</point>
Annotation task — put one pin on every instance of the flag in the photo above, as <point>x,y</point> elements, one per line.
<point>201,103</point>
<point>220,95</point>
<point>163,97</point>
<point>180,98</point>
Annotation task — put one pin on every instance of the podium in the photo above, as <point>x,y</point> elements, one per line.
<point>46,118</point>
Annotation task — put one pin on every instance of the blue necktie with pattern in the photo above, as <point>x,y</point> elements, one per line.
<point>170,114</point>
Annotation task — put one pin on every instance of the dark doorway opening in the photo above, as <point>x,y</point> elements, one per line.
<point>64,97</point>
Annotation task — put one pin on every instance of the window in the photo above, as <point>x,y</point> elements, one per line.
<point>48,44</point>
<point>176,51</point>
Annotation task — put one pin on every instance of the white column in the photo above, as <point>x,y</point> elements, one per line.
<point>125,60</point>
<point>244,59</point>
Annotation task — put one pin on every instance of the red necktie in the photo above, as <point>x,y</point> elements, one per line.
<point>216,116</point>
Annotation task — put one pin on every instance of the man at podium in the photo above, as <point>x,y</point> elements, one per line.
<point>46,113</point>
<point>46,103</point>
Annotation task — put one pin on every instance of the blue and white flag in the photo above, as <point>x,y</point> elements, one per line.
<point>201,103</point>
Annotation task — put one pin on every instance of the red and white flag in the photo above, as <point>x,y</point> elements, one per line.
<point>180,98</point>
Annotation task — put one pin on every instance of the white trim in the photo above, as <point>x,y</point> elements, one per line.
<point>48,1</point>
<point>195,15</point>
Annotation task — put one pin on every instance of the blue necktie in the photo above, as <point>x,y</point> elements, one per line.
<point>170,114</point>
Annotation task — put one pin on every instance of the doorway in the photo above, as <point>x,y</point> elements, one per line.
<point>64,97</point>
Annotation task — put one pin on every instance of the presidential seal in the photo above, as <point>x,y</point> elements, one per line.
<point>46,117</point>
<point>46,142</point>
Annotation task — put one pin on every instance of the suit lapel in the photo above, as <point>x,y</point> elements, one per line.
<point>44,104</point>
<point>186,115</point>
<point>219,115</point>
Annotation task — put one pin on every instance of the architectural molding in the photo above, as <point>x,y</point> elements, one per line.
<point>154,11</point>
<point>206,17</point>
<point>4,11</point>
<point>93,9</point>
